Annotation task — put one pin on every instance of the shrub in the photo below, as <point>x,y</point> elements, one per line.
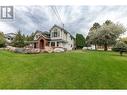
<point>19,50</point>
<point>120,47</point>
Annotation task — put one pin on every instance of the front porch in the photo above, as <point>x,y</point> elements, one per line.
<point>41,43</point>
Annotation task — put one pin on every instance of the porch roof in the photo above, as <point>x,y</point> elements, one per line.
<point>58,40</point>
<point>30,42</point>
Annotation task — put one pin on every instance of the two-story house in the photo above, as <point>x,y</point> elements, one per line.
<point>56,37</point>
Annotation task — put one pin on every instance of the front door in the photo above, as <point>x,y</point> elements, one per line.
<point>41,44</point>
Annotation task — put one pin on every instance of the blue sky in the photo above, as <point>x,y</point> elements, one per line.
<point>77,19</point>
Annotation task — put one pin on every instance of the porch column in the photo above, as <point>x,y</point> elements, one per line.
<point>55,43</point>
<point>50,44</point>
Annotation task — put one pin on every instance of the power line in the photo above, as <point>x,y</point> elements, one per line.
<point>59,16</point>
<point>56,12</point>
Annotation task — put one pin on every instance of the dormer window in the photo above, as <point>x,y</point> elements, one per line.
<point>55,33</point>
<point>55,30</point>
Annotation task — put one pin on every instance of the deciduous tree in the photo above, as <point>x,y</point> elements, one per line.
<point>106,34</point>
<point>92,35</point>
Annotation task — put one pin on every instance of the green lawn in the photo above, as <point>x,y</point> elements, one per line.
<point>70,70</point>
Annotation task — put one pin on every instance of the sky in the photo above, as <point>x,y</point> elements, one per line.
<point>76,19</point>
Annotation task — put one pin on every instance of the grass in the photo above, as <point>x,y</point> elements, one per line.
<point>70,70</point>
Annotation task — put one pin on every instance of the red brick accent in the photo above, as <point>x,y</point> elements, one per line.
<point>41,42</point>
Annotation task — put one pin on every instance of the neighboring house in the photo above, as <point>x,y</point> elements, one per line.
<point>10,37</point>
<point>102,47</point>
<point>98,47</point>
<point>57,37</point>
<point>92,47</point>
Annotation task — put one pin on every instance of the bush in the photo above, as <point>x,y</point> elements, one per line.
<point>58,50</point>
<point>120,47</point>
<point>19,50</point>
<point>2,45</point>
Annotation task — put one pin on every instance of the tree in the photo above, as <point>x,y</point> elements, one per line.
<point>108,22</point>
<point>120,47</point>
<point>106,34</point>
<point>30,37</point>
<point>92,38</point>
<point>27,38</point>
<point>19,40</point>
<point>24,37</point>
<point>2,40</point>
<point>80,41</point>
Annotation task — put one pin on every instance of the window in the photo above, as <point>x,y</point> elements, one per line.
<point>47,44</point>
<point>55,34</point>
<point>57,44</point>
<point>52,43</point>
<point>55,30</point>
<point>52,34</point>
<point>71,37</point>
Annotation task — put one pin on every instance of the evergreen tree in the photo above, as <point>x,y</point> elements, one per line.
<point>31,37</point>
<point>19,40</point>
<point>80,41</point>
<point>2,40</point>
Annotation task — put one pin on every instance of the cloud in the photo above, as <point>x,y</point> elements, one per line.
<point>76,19</point>
<point>6,28</point>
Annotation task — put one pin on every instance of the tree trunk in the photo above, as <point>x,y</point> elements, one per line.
<point>95,47</point>
<point>105,47</point>
<point>121,53</point>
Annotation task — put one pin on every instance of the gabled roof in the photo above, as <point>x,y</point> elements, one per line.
<point>45,34</point>
<point>12,35</point>
<point>61,29</point>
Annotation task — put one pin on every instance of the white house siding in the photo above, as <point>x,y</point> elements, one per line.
<point>68,41</point>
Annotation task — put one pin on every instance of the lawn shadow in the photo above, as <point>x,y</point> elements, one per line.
<point>117,54</point>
